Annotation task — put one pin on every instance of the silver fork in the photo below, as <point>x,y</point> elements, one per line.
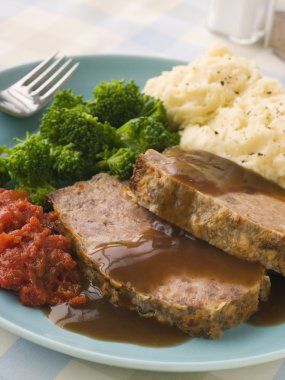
<point>34,91</point>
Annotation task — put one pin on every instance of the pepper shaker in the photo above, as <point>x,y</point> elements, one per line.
<point>275,38</point>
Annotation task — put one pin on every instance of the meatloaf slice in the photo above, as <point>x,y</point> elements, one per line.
<point>106,225</point>
<point>216,200</point>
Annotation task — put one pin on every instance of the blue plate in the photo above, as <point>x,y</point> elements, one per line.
<point>242,346</point>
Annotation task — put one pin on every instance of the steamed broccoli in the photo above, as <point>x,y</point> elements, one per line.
<point>116,102</point>
<point>67,99</point>
<point>29,162</point>
<point>78,139</point>
<point>120,163</point>
<point>154,108</point>
<point>72,126</point>
<point>144,133</point>
<point>68,163</point>
<point>38,195</point>
<point>4,173</point>
<point>30,165</point>
<point>136,136</point>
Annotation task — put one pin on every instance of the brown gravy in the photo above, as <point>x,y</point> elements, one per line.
<point>100,319</point>
<point>272,312</point>
<point>164,251</point>
<point>147,262</point>
<point>215,175</point>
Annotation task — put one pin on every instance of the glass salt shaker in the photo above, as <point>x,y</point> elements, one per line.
<point>242,21</point>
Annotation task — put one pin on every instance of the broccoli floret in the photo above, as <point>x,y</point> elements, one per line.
<point>116,102</point>
<point>38,195</point>
<point>4,149</point>
<point>154,108</point>
<point>136,136</point>
<point>69,163</point>
<point>78,139</point>
<point>144,133</point>
<point>119,164</point>
<point>4,173</point>
<point>67,99</point>
<point>30,163</point>
<point>72,126</point>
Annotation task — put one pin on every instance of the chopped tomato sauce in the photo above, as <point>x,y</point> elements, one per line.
<point>34,261</point>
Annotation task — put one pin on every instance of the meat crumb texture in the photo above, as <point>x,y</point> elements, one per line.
<point>247,220</point>
<point>99,214</point>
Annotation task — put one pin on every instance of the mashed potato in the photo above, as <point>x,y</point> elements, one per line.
<point>222,104</point>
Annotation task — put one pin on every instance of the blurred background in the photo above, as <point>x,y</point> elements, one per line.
<point>32,29</point>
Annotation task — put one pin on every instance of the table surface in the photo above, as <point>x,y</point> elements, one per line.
<point>33,29</point>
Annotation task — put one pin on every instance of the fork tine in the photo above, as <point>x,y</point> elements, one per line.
<point>46,96</point>
<point>39,79</point>
<point>56,75</point>
<point>36,70</point>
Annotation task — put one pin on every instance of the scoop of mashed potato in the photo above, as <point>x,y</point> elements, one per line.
<point>222,104</point>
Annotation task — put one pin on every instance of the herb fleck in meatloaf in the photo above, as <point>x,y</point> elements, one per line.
<point>100,211</point>
<point>216,200</point>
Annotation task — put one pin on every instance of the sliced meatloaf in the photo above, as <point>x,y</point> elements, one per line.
<point>149,274</point>
<point>216,200</point>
